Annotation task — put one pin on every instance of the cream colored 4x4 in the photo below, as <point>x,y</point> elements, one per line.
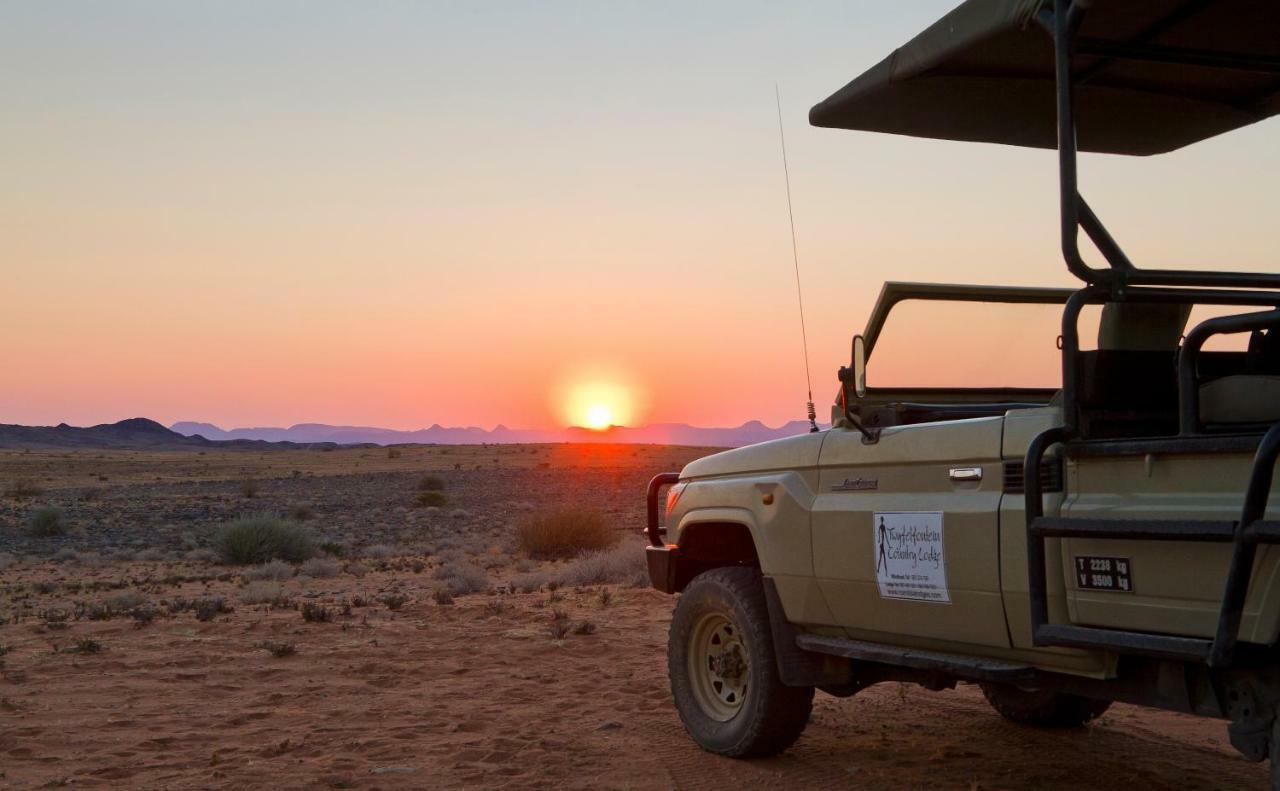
<point>1111,539</point>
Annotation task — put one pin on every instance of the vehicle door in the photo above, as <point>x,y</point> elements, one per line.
<point>906,533</point>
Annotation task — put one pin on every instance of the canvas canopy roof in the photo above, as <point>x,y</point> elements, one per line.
<point>985,72</point>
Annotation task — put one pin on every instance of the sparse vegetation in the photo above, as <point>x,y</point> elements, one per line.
<point>278,650</point>
<point>462,577</point>
<point>46,521</point>
<point>264,592</point>
<point>321,568</point>
<point>394,601</point>
<point>431,483</point>
<point>87,645</point>
<point>208,609</point>
<point>333,548</point>
<point>249,488</point>
<point>380,552</point>
<point>314,612</point>
<point>565,533</point>
<point>442,596</point>
<point>258,539</point>
<point>393,453</point>
<point>431,500</point>
<point>301,513</point>
<point>276,571</point>
<point>22,488</point>
<point>584,628</point>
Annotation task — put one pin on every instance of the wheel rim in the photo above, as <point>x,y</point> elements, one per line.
<point>718,667</point>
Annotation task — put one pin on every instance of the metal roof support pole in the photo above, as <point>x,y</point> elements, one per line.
<point>1067,16</point>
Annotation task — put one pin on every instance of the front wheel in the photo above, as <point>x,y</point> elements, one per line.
<point>724,677</point>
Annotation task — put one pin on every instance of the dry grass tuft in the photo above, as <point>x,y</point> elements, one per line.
<point>316,613</point>
<point>46,521</point>
<point>321,568</point>
<point>462,577</point>
<point>431,500</point>
<point>278,650</point>
<point>23,487</point>
<point>565,533</point>
<point>431,483</point>
<point>258,539</point>
<point>276,571</point>
<point>264,592</point>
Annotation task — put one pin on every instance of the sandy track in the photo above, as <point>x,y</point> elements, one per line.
<point>438,696</point>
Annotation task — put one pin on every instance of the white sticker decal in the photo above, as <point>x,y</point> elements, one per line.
<point>910,560</point>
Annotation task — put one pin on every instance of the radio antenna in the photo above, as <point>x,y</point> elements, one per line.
<point>795,259</point>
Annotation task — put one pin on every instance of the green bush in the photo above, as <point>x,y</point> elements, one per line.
<point>566,533</point>
<point>429,498</point>
<point>258,539</point>
<point>46,521</point>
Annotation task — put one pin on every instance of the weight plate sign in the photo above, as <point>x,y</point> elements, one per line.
<point>1104,574</point>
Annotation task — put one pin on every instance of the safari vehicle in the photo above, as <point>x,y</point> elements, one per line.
<point>1111,540</point>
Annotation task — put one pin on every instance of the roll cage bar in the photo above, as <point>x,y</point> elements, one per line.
<point>1062,21</point>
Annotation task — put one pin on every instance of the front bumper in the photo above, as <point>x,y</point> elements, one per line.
<point>664,563</point>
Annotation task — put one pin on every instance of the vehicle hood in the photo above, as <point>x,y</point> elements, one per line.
<point>788,453</point>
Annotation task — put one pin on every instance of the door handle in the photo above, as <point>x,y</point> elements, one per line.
<point>965,474</point>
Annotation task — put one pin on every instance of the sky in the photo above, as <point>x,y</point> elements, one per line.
<point>470,213</point>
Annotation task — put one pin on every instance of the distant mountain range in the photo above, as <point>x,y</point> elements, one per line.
<point>141,433</point>
<point>135,433</point>
<point>656,434</point>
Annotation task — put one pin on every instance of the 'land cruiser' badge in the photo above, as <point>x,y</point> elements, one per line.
<point>857,485</point>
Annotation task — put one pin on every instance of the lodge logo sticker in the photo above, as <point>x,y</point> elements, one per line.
<point>909,554</point>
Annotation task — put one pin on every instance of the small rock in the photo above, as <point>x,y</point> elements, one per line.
<point>611,725</point>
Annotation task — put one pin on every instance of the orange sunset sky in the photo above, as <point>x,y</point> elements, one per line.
<point>399,214</point>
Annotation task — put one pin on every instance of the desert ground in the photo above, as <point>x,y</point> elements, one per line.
<point>423,649</point>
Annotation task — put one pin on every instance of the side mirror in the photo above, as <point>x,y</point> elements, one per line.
<point>859,366</point>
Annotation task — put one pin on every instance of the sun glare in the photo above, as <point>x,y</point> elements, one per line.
<point>599,416</point>
<point>598,403</point>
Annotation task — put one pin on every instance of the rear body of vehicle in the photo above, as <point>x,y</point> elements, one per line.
<point>1113,539</point>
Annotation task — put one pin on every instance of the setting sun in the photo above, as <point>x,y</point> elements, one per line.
<point>598,401</point>
<point>599,416</point>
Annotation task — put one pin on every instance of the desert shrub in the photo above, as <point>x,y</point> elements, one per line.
<point>45,521</point>
<point>264,592</point>
<point>249,488</point>
<point>393,453</point>
<point>622,565</point>
<point>276,571</point>
<point>202,555</point>
<point>431,483</point>
<point>379,552</point>
<point>313,612</point>
<point>6,560</point>
<point>87,645</point>
<point>258,539</point>
<point>356,570</point>
<point>560,628</point>
<point>150,554</point>
<point>23,487</point>
<point>333,548</point>
<point>278,650</point>
<point>208,609</point>
<point>125,600</point>
<point>301,513</point>
<point>565,532</point>
<point>321,568</point>
<point>460,513</point>
<point>462,577</point>
<point>143,616</point>
<point>394,601</point>
<point>66,554</point>
<point>605,597</point>
<point>584,627</point>
<point>442,596</point>
<point>431,500</point>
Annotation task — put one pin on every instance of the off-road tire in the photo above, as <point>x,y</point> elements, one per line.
<point>769,716</point>
<point>1042,708</point>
